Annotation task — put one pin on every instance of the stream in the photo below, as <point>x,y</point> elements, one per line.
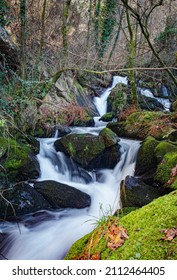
<point>51,237</point>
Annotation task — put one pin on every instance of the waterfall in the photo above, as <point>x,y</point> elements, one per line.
<point>52,238</point>
<point>101,102</point>
<point>164,101</point>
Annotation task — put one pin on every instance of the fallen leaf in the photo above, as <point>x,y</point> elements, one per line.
<point>174,171</point>
<point>170,234</point>
<point>117,236</point>
<point>95,257</point>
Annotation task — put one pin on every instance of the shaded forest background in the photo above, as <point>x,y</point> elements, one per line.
<point>46,38</point>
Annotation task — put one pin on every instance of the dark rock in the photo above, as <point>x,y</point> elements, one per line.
<point>110,138</point>
<point>146,162</point>
<point>135,193</point>
<point>149,103</point>
<point>90,151</point>
<point>20,200</point>
<point>87,121</point>
<point>19,163</point>
<point>108,159</point>
<point>62,196</point>
<point>108,117</point>
<point>83,148</point>
<point>62,130</point>
<point>173,136</point>
<point>114,126</point>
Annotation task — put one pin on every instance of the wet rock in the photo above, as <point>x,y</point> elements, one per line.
<point>110,138</point>
<point>20,200</point>
<point>149,103</point>
<point>62,130</point>
<point>114,126</point>
<point>135,193</point>
<point>108,159</point>
<point>146,161</point>
<point>90,151</point>
<point>108,117</point>
<point>83,148</point>
<point>61,195</point>
<point>18,162</point>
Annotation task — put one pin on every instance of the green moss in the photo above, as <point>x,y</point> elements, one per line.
<point>107,117</point>
<point>165,167</point>
<point>141,124</point>
<point>16,155</point>
<point>146,160</point>
<point>164,148</point>
<point>117,98</point>
<point>144,227</point>
<point>71,149</point>
<point>110,138</point>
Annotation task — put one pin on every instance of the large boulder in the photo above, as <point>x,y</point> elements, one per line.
<point>118,97</point>
<point>110,138</point>
<point>149,103</point>
<point>20,200</point>
<point>17,161</point>
<point>90,151</point>
<point>163,148</point>
<point>61,195</point>
<point>166,172</point>
<point>108,117</point>
<point>146,162</point>
<point>135,193</point>
<point>83,148</point>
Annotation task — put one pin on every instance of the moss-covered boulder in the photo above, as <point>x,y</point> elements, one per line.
<point>115,127</point>
<point>87,121</point>
<point>19,200</point>
<point>164,148</point>
<point>118,97</point>
<point>173,136</point>
<point>17,160</point>
<point>90,151</point>
<point>135,193</point>
<point>146,161</point>
<point>145,228</point>
<point>61,195</point>
<point>108,117</point>
<point>110,138</point>
<point>140,124</point>
<point>83,148</point>
<point>166,173</point>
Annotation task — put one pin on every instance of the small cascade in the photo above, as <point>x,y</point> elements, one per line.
<point>164,101</point>
<point>52,237</point>
<point>101,102</point>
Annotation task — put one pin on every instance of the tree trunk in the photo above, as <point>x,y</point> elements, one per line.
<point>132,61</point>
<point>23,36</point>
<point>65,32</point>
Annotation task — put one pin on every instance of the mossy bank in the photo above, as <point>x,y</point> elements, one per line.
<point>145,228</point>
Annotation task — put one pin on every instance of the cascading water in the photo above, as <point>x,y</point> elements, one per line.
<point>164,101</point>
<point>52,238</point>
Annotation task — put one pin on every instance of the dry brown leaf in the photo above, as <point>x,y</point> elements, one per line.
<point>95,257</point>
<point>174,171</point>
<point>117,236</point>
<point>170,234</point>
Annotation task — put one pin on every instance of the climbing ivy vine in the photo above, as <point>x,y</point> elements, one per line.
<point>105,11</point>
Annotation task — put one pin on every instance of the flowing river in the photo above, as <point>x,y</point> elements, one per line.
<point>52,237</point>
